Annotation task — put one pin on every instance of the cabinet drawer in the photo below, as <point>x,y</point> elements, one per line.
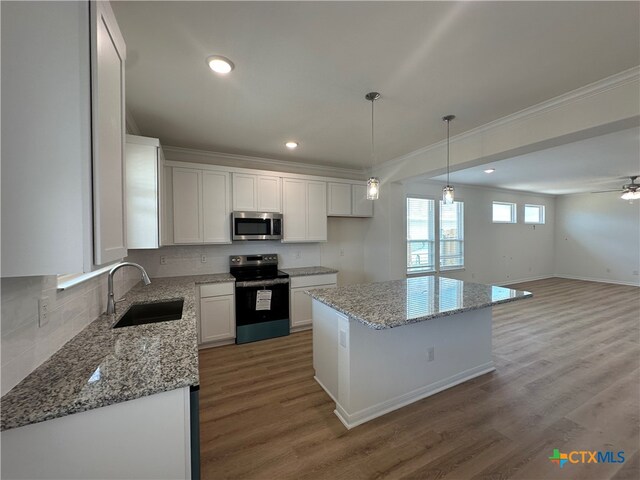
<point>217,289</point>
<point>314,280</point>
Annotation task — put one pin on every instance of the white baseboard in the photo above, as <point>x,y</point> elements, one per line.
<point>375,411</point>
<point>325,389</point>
<point>218,343</point>
<point>599,280</point>
<point>522,280</point>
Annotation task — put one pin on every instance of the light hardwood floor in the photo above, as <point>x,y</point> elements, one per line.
<point>568,377</point>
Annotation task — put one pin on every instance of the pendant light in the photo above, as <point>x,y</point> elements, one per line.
<point>448,192</point>
<point>373,184</point>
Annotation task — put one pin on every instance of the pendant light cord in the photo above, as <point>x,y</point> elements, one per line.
<point>448,122</point>
<point>373,145</point>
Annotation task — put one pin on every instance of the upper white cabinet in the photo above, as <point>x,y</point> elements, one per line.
<point>201,206</point>
<point>256,193</point>
<point>304,209</point>
<point>144,166</point>
<point>348,200</point>
<point>73,100</point>
<point>108,123</point>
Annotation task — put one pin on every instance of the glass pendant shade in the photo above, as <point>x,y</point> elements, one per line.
<point>631,195</point>
<point>448,195</point>
<point>373,188</point>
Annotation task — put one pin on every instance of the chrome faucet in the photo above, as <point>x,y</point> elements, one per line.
<point>111,303</point>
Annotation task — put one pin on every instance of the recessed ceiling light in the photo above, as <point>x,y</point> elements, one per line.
<point>490,170</point>
<point>291,145</point>
<point>220,64</point>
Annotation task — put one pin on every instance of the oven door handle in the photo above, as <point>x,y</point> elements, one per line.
<point>262,283</point>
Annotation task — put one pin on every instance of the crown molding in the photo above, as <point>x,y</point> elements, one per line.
<point>183,154</point>
<point>614,81</point>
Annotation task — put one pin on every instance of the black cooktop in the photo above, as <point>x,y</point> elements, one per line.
<point>244,274</point>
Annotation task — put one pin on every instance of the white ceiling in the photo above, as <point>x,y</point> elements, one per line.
<point>303,68</point>
<point>599,163</point>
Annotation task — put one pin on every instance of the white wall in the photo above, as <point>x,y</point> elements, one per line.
<point>24,345</point>
<point>598,238</point>
<point>343,234</point>
<point>494,253</point>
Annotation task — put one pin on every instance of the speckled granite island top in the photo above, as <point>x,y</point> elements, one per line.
<point>307,271</point>
<point>101,366</point>
<point>401,302</point>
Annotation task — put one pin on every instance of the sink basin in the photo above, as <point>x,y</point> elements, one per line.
<point>151,313</point>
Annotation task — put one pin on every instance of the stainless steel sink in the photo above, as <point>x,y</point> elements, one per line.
<point>143,313</point>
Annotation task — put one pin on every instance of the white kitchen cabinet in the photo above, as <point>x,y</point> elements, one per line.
<point>304,208</point>
<point>187,199</point>
<point>217,313</point>
<point>348,200</point>
<point>361,206</point>
<point>108,124</point>
<point>216,214</point>
<point>144,169</point>
<point>148,437</point>
<point>300,303</point>
<point>73,98</point>
<point>256,193</point>
<point>200,207</point>
<point>339,199</point>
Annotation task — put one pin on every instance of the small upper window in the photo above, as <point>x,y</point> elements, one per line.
<point>534,214</point>
<point>504,212</point>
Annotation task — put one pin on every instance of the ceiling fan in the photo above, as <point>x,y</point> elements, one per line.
<point>630,191</point>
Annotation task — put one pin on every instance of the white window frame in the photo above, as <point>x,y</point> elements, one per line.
<point>460,239</point>
<point>514,212</point>
<point>417,271</point>
<point>542,216</point>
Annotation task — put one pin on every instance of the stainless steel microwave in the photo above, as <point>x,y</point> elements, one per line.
<point>256,226</point>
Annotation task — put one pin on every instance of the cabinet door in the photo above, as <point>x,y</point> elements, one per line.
<point>339,203</point>
<point>317,211</point>
<point>217,319</point>
<point>244,193</point>
<point>301,314</point>
<point>142,175</point>
<point>361,206</point>
<point>216,214</point>
<point>110,242</point>
<point>187,227</point>
<point>294,210</point>
<point>269,194</point>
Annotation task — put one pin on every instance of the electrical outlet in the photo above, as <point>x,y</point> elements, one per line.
<point>43,311</point>
<point>431,354</point>
<point>203,258</point>
<point>342,252</point>
<point>163,260</point>
<point>298,254</point>
<point>473,275</point>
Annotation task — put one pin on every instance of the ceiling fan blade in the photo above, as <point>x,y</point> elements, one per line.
<point>608,191</point>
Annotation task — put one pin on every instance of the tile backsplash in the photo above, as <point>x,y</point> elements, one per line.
<point>25,345</point>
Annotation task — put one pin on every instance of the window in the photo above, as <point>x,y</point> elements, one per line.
<point>423,254</point>
<point>420,235</point>
<point>504,212</point>
<point>534,214</point>
<point>451,235</point>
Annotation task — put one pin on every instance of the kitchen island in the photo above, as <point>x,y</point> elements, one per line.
<point>380,346</point>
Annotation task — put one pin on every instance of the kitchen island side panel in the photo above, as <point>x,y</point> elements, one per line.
<point>325,347</point>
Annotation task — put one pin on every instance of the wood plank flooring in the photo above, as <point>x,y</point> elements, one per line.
<point>568,377</point>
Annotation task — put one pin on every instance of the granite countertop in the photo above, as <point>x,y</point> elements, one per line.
<point>101,366</point>
<point>306,271</point>
<point>401,302</point>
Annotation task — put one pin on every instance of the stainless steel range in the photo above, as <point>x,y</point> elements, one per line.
<point>262,297</point>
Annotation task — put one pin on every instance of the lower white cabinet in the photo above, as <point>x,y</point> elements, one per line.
<point>148,437</point>
<point>300,302</point>
<point>217,313</point>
